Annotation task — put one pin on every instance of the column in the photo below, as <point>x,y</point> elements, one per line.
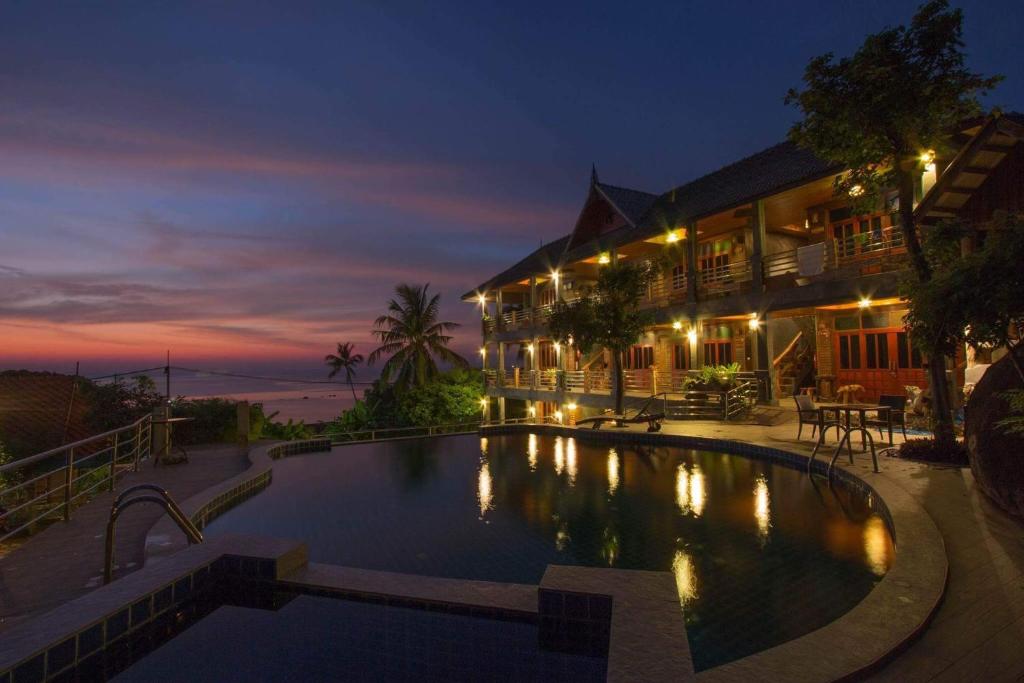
<point>501,409</point>
<point>501,361</point>
<point>499,312</point>
<point>691,262</point>
<point>757,257</point>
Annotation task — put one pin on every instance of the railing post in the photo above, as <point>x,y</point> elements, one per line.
<point>113,459</point>
<point>68,483</point>
<point>138,447</point>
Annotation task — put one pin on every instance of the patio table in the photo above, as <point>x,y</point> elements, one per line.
<point>844,427</point>
<point>848,409</point>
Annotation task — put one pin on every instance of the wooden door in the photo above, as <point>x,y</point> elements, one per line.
<point>880,360</point>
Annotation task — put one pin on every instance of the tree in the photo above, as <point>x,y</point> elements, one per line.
<point>972,298</point>
<point>410,334</point>
<point>344,360</point>
<point>882,113</point>
<point>607,316</point>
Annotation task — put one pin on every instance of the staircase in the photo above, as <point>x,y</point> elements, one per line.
<point>784,366</point>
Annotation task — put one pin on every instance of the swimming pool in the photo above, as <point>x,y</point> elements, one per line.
<point>761,553</point>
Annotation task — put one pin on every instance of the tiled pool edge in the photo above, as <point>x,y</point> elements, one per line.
<point>895,612</point>
<point>165,538</point>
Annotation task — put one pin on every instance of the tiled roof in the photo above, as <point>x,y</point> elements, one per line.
<point>542,260</point>
<point>769,171</point>
<point>632,203</point>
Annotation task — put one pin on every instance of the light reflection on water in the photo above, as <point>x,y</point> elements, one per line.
<point>741,537</point>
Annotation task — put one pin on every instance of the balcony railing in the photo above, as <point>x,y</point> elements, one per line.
<point>667,290</point>
<point>877,251</point>
<point>724,279</point>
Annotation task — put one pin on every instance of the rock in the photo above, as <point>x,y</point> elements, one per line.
<point>997,458</point>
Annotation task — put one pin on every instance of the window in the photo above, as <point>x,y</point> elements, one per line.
<point>548,356</point>
<point>714,260</point>
<point>876,349</point>
<point>547,296</point>
<point>640,358</point>
<point>907,356</point>
<point>717,352</point>
<point>849,352</point>
<point>681,357</point>
<point>679,277</point>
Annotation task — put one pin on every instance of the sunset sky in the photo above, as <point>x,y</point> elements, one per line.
<point>245,185</point>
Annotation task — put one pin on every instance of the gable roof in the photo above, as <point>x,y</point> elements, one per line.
<point>631,204</point>
<point>544,259</point>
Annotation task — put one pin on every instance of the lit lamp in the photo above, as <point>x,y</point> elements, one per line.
<point>754,323</point>
<point>672,236</point>
<point>856,190</point>
<point>691,335</point>
<point>677,326</point>
<point>558,416</point>
<point>572,413</point>
<point>864,302</point>
<point>604,259</point>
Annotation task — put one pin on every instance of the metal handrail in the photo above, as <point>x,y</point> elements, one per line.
<point>74,444</point>
<point>164,500</point>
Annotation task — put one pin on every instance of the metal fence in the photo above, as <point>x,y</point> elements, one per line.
<point>50,484</point>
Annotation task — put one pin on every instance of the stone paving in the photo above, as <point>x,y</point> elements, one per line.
<point>65,560</point>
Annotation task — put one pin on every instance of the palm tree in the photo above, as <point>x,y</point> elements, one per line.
<point>345,360</point>
<point>412,337</point>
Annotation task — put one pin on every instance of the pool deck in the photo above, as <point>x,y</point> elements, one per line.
<point>65,560</point>
<point>975,634</point>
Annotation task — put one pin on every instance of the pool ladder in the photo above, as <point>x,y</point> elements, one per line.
<point>164,500</point>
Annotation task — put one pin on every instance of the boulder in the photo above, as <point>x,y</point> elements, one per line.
<point>997,458</point>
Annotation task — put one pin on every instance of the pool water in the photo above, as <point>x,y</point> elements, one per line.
<point>324,639</point>
<point>761,553</point>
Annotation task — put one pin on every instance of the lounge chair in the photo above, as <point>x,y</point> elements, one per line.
<point>807,412</point>
<point>653,420</point>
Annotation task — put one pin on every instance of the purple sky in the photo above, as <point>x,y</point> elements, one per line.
<point>245,185</point>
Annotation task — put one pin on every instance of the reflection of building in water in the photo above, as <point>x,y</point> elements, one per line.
<point>559,455</point>
<point>483,445</point>
<point>762,510</point>
<point>876,545</point>
<point>683,488</point>
<point>484,486</point>
<point>570,460</point>
<point>613,471</point>
<point>562,538</point>
<point>610,547</point>
<point>531,451</point>
<point>686,577</point>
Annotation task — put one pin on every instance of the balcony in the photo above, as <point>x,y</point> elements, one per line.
<point>869,253</point>
<point>725,279</point>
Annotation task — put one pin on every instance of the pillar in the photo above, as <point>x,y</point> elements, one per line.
<point>242,429</point>
<point>757,226</point>
<point>499,311</point>
<point>501,409</point>
<point>533,291</point>
<point>691,262</point>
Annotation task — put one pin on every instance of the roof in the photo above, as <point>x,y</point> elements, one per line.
<point>544,259</point>
<point>769,171</point>
<point>632,204</point>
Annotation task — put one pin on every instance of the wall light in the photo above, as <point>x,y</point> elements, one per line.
<point>529,347</point>
<point>483,402</point>
<point>604,259</point>
<point>677,326</point>
<point>571,406</point>
<point>483,299</point>
<point>558,415</point>
<point>754,323</point>
<point>533,412</point>
<point>672,236</point>
<point>691,335</point>
<point>928,157</point>
<point>856,190</point>
<point>483,351</point>
<point>554,275</point>
<point>864,302</point>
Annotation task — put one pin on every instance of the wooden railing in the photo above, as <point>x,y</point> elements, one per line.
<point>877,251</point>
<point>731,277</point>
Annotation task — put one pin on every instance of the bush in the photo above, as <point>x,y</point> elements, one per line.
<point>927,450</point>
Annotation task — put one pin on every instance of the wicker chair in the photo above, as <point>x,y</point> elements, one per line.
<point>807,412</point>
<point>897,414</point>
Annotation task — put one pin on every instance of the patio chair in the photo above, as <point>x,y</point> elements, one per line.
<point>807,412</point>
<point>897,414</point>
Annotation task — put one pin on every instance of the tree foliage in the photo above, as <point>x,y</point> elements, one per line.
<point>344,360</point>
<point>412,338</point>
<point>972,298</point>
<point>451,397</point>
<point>607,315</point>
<point>879,113</point>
